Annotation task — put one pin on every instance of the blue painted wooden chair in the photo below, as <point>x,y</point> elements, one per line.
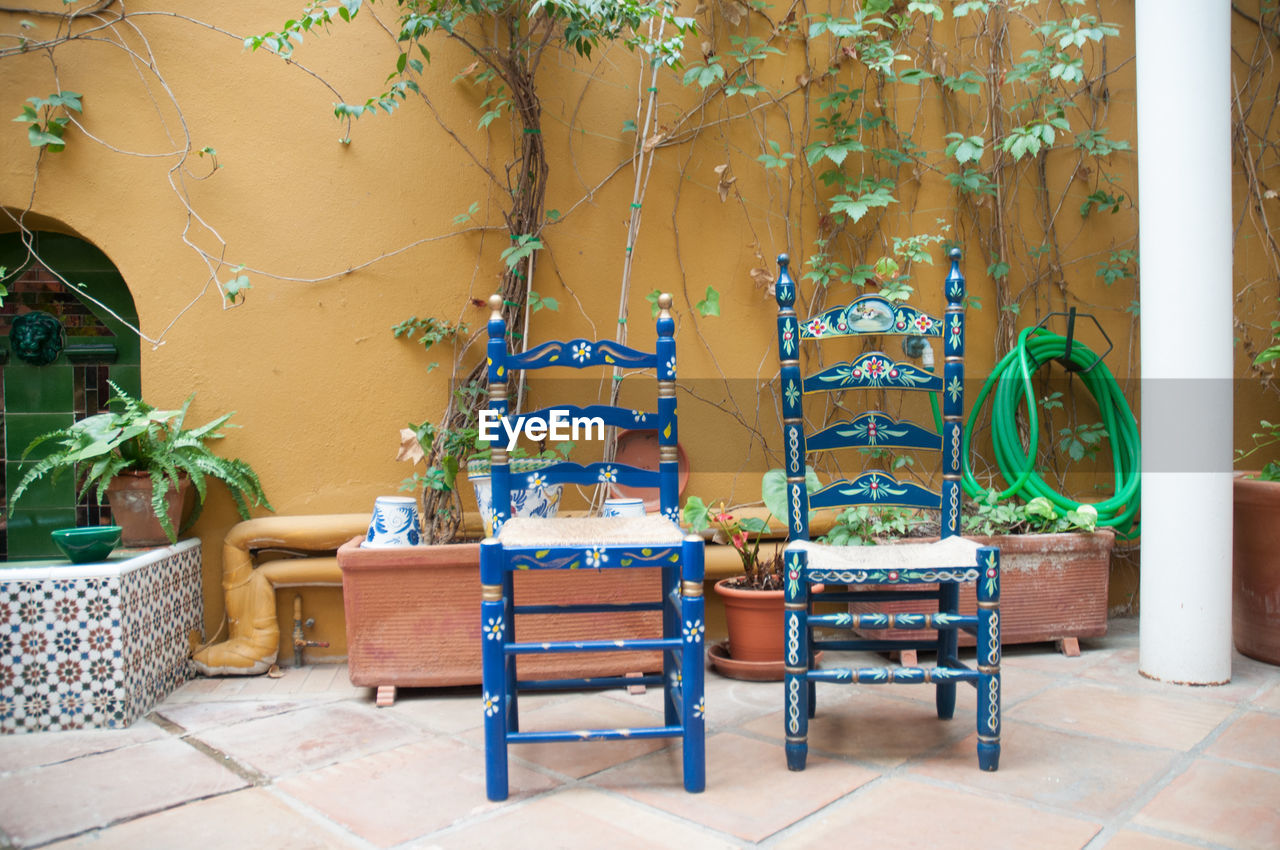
<point>894,569</point>
<point>522,543</point>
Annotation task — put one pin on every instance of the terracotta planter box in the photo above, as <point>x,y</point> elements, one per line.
<point>1053,587</point>
<point>1255,616</point>
<point>413,617</point>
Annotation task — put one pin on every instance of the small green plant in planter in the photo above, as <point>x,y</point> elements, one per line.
<point>136,438</point>
<point>991,516</point>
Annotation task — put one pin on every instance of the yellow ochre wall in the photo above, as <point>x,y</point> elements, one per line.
<point>308,362</point>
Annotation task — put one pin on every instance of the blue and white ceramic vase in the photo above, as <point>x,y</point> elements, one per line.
<point>394,523</point>
<point>538,501</point>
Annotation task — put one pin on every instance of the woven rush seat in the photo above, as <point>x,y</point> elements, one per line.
<point>949,552</point>
<point>529,532</point>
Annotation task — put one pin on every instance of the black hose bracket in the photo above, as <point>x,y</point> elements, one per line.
<point>1065,359</point>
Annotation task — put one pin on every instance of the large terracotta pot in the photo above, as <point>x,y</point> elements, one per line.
<point>413,617</point>
<point>1053,587</point>
<point>129,495</point>
<point>1255,616</point>
<point>754,621</point>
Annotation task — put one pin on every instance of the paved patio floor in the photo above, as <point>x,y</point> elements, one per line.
<point>1094,756</point>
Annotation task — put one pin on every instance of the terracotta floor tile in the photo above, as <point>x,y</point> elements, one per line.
<point>18,752</point>
<point>66,799</point>
<point>1089,776</point>
<point>750,793</point>
<point>251,818</point>
<point>1130,840</point>
<point>1222,803</point>
<point>398,795</point>
<point>1171,720</point>
<point>1121,668</point>
<point>311,737</point>
<point>880,731</point>
<point>1254,738</point>
<point>904,813</point>
<point>598,820</point>
<point>444,710</point>
<point>1269,699</point>
<point>582,758</point>
<point>198,716</point>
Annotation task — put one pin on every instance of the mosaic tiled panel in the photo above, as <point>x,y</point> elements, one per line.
<point>98,651</point>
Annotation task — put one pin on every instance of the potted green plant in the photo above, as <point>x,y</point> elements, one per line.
<point>752,601</point>
<point>1255,613</point>
<point>144,461</point>
<point>1054,566</point>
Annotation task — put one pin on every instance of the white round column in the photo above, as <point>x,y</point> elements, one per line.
<point>1184,234</point>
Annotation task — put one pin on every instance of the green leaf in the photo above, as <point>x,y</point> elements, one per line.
<point>234,287</point>
<point>709,305</point>
<point>652,298</point>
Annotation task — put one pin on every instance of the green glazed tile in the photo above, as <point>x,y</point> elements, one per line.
<point>38,389</point>
<point>29,532</point>
<point>21,428</point>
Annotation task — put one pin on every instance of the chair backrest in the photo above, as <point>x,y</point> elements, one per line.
<point>582,354</point>
<point>871,315</point>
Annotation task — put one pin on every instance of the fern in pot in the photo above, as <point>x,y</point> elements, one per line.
<point>144,461</point>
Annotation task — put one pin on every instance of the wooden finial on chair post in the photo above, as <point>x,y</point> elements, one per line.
<point>495,304</point>
<point>664,305</point>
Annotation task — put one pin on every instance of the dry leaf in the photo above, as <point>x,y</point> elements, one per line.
<point>654,140</point>
<point>803,80</point>
<point>470,69</point>
<point>761,277</point>
<point>708,49</point>
<point>722,171</point>
<point>732,12</point>
<point>410,448</point>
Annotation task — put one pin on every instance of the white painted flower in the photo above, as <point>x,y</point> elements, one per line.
<point>638,414</point>
<point>581,351</point>
<point>537,481</point>
<point>700,710</point>
<point>493,631</point>
<point>596,556</point>
<point>490,704</point>
<point>693,630</point>
<point>609,474</point>
<point>673,514</point>
<point>671,367</point>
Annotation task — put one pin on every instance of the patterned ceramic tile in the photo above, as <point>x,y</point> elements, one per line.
<point>79,650</point>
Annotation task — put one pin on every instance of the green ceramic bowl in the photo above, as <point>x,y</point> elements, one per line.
<point>85,545</point>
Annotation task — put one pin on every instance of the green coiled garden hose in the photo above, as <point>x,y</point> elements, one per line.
<point>1009,387</point>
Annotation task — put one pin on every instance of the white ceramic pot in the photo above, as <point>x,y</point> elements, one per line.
<point>535,502</point>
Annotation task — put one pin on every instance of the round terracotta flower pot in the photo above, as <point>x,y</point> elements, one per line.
<point>1256,569</point>
<point>754,620</point>
<point>129,494</point>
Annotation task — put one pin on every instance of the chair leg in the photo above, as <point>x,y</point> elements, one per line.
<point>671,624</point>
<point>796,654</point>
<point>509,615</point>
<point>988,659</point>
<point>948,649</point>
<point>493,624</point>
<point>692,659</point>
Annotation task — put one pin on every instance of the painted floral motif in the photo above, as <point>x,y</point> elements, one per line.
<point>491,707</point>
<point>792,392</point>
<point>609,475</point>
<point>788,337</point>
<point>992,575</point>
<point>581,351</point>
<point>816,326</point>
<point>672,513</point>
<point>874,487</point>
<point>537,481</point>
<point>596,556</point>
<point>671,367</point>
<point>923,323</point>
<point>638,414</point>
<point>954,389</point>
<point>693,631</point>
<point>493,630</point>
<point>953,339</point>
<point>700,710</point>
